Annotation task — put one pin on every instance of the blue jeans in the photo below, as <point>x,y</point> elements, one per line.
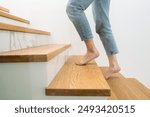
<point>75,10</point>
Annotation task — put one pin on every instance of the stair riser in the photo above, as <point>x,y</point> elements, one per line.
<point>17,40</point>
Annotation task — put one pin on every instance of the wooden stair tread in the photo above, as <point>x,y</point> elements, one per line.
<point>34,54</point>
<point>9,27</point>
<point>115,75</point>
<point>74,80</point>
<point>128,89</point>
<point>4,9</point>
<point>13,17</point>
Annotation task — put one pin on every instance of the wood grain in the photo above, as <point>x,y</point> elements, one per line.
<point>35,54</point>
<point>4,9</point>
<point>9,27</point>
<point>14,17</point>
<point>128,89</point>
<point>74,80</point>
<point>115,75</point>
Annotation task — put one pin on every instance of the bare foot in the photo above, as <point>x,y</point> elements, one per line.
<point>112,70</point>
<point>88,57</point>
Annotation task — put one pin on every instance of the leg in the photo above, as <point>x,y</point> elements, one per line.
<point>103,28</point>
<point>91,53</point>
<point>75,10</point>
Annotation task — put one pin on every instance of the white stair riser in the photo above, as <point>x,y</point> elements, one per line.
<point>17,40</point>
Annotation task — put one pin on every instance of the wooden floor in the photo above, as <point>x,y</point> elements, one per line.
<point>74,80</point>
<point>128,89</point>
<point>36,54</point>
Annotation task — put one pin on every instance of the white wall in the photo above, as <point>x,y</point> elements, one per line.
<point>130,23</point>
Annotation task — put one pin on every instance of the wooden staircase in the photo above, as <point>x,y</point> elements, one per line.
<point>73,80</point>
<point>126,88</point>
<point>4,12</point>
<point>14,31</point>
<point>46,72</point>
<point>24,73</point>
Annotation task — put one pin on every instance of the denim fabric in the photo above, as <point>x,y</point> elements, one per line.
<point>75,10</point>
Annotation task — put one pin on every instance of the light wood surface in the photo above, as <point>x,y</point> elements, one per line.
<point>74,80</point>
<point>128,89</point>
<point>116,75</point>
<point>35,54</point>
<point>4,9</point>
<point>14,17</point>
<point>15,28</point>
